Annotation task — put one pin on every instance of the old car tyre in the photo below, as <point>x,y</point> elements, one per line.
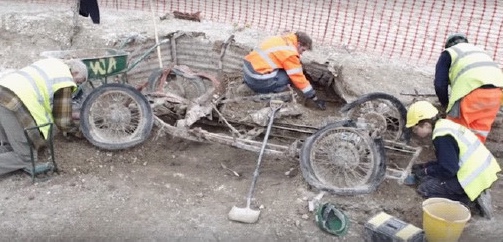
<point>177,82</point>
<point>330,177</point>
<point>116,116</point>
<point>395,117</point>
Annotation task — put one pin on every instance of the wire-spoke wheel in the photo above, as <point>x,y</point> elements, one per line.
<point>381,112</point>
<point>116,116</point>
<point>343,160</point>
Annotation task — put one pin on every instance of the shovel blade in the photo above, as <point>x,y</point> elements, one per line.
<point>244,215</point>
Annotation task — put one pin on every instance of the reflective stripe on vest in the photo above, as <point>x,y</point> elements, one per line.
<point>44,75</point>
<point>278,52</point>
<point>35,86</point>
<point>477,166</point>
<point>307,89</point>
<point>265,53</point>
<point>259,76</point>
<point>48,86</point>
<point>480,132</point>
<point>294,71</point>
<point>40,97</point>
<point>471,68</point>
<point>461,54</point>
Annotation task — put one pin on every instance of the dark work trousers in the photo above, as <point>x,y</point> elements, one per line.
<point>263,83</point>
<point>450,189</point>
<point>15,151</point>
<point>90,7</point>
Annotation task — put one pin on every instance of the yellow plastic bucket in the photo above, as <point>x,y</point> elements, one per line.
<point>444,219</point>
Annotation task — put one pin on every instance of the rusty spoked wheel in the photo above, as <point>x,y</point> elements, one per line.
<point>116,116</point>
<point>379,112</point>
<point>343,160</point>
<point>186,86</point>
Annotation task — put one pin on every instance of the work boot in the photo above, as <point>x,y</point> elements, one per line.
<point>485,204</point>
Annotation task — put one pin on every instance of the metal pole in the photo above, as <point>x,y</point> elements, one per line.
<point>156,35</point>
<point>76,17</point>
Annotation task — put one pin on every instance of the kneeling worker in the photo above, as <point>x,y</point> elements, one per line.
<point>35,95</point>
<point>464,168</point>
<point>275,64</point>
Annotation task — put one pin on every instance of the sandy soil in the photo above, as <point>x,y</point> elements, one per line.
<point>168,188</point>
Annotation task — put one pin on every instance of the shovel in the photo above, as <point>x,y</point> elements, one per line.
<point>248,215</point>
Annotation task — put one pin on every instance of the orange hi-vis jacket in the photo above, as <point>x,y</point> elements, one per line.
<point>280,52</point>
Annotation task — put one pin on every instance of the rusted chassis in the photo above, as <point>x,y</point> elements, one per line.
<point>119,116</point>
<point>345,157</point>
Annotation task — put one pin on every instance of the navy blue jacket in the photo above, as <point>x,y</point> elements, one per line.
<point>447,153</point>
<point>441,81</point>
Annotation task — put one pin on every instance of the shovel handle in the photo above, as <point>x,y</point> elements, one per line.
<point>275,105</point>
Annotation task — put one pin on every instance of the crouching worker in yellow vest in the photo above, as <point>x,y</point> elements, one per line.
<point>464,168</point>
<point>38,94</point>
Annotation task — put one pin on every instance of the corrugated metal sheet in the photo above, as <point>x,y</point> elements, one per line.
<point>194,50</point>
<point>233,58</point>
<point>197,53</point>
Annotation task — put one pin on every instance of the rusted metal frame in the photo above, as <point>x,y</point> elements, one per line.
<point>200,135</point>
<point>402,173</point>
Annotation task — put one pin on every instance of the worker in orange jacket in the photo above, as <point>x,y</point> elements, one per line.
<point>476,84</point>
<point>275,64</point>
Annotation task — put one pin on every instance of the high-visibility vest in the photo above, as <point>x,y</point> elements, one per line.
<point>471,68</point>
<point>477,166</point>
<point>272,54</point>
<point>36,84</point>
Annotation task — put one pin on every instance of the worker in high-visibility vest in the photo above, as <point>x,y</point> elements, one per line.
<point>275,64</point>
<point>464,168</point>
<point>35,95</point>
<point>476,84</point>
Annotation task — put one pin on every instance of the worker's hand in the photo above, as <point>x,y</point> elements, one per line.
<point>421,173</point>
<point>417,167</point>
<point>442,112</point>
<point>74,132</point>
<point>76,115</point>
<point>419,170</point>
<point>320,104</point>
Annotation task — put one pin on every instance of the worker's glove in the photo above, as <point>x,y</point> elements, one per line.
<point>73,133</point>
<point>417,167</point>
<point>419,170</point>
<point>320,104</point>
<point>421,173</point>
<point>442,113</point>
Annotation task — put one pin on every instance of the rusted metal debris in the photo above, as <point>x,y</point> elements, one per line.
<point>188,16</point>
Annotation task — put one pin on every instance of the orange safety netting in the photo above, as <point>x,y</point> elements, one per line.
<point>413,30</point>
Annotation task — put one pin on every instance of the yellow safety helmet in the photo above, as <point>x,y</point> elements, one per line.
<point>418,111</point>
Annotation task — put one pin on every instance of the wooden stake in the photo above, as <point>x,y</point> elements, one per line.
<point>156,35</point>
